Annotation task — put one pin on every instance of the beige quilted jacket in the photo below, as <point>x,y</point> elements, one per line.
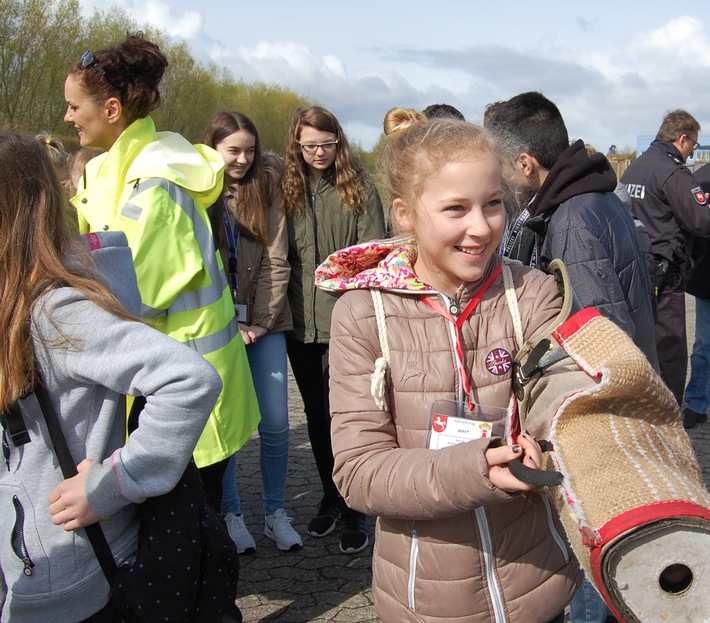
<point>449,545</point>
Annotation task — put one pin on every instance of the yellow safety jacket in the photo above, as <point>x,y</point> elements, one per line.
<point>156,187</point>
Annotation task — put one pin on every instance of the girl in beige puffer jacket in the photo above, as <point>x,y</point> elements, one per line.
<point>458,537</point>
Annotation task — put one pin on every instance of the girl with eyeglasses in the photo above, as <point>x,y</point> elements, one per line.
<point>249,226</point>
<point>156,188</point>
<point>330,203</point>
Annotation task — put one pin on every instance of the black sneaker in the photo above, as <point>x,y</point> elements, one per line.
<point>692,418</point>
<point>354,537</point>
<point>329,511</point>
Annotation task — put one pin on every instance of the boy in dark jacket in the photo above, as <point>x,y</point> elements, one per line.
<point>574,215</point>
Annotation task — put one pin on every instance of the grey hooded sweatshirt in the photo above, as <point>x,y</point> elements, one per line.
<point>105,358</point>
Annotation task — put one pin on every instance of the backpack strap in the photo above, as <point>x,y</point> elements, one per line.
<point>14,426</point>
<point>533,355</point>
<point>540,351</point>
<point>380,377</point>
<point>512,298</point>
<point>66,462</point>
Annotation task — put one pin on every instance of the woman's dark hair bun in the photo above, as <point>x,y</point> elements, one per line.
<point>143,66</point>
<point>142,58</point>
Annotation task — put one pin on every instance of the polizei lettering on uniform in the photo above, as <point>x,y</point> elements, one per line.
<point>636,191</point>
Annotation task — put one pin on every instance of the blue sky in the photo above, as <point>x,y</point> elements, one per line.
<point>613,68</point>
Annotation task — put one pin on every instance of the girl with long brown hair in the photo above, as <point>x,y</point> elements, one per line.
<point>249,225</point>
<point>330,203</point>
<point>64,329</point>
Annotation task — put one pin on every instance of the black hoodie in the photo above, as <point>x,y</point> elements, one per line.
<point>574,173</point>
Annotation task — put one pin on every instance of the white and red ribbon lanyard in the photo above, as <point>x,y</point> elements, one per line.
<point>458,321</point>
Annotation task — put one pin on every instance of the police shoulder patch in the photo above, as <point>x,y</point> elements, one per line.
<point>699,195</point>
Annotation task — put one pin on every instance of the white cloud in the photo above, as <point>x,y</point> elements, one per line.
<point>335,65</point>
<point>281,62</point>
<point>681,40</point>
<point>608,90</point>
<point>359,100</point>
<point>185,26</point>
<point>182,25</point>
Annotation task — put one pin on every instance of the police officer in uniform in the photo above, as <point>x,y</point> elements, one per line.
<point>668,200</point>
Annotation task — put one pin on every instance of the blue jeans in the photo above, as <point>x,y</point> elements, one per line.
<point>697,392</point>
<point>587,605</point>
<point>267,360</point>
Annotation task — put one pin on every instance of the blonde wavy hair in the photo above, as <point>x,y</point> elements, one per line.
<point>417,148</point>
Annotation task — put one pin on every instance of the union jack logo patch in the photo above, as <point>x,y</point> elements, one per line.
<point>498,361</point>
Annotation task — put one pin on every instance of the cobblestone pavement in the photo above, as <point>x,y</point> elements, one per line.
<point>318,583</point>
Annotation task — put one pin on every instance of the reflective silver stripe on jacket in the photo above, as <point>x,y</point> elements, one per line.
<point>553,530</point>
<point>413,556</point>
<point>488,561</point>
<point>207,295</point>
<point>130,210</point>
<point>215,341</point>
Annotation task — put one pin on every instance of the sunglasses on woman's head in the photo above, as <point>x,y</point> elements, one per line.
<point>89,60</point>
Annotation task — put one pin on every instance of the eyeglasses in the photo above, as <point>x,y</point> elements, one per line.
<point>694,141</point>
<point>312,148</point>
<point>89,60</point>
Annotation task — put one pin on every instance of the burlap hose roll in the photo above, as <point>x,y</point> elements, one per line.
<point>633,502</point>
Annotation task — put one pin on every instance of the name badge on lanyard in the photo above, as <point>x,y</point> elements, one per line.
<point>454,421</point>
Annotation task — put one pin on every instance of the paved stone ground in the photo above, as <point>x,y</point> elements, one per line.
<point>318,583</point>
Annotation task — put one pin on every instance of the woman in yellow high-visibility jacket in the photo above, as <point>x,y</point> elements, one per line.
<point>156,187</point>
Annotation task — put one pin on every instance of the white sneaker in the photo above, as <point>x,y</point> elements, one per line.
<point>278,528</point>
<point>239,533</point>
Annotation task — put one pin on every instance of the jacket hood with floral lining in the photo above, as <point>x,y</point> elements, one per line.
<point>382,264</point>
